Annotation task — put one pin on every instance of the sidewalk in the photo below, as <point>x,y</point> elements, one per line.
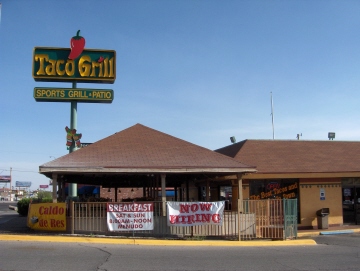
<point>13,228</point>
<point>345,229</point>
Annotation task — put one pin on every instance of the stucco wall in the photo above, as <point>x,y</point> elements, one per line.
<point>246,191</point>
<point>310,201</point>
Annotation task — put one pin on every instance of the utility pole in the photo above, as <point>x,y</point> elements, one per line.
<point>10,182</point>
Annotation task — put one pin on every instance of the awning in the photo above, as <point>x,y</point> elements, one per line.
<point>87,189</point>
<point>169,193</point>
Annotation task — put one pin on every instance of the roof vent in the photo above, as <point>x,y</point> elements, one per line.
<point>232,139</point>
<point>331,135</point>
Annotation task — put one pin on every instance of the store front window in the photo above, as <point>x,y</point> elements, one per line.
<point>274,189</point>
<point>226,195</point>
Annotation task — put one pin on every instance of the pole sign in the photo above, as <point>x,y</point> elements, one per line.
<point>92,66</point>
<point>22,184</point>
<point>5,178</point>
<point>74,64</point>
<point>73,94</point>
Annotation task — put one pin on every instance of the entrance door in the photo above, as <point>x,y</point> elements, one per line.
<point>351,204</point>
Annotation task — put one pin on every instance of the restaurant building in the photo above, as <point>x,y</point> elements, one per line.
<point>144,164</point>
<point>320,174</point>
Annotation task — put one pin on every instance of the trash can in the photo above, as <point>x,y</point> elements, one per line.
<point>323,218</point>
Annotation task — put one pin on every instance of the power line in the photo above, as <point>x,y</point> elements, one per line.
<point>18,170</point>
<point>27,152</point>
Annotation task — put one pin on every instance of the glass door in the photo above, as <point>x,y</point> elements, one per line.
<point>351,204</point>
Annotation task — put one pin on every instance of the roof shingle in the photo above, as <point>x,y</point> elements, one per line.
<point>297,156</point>
<point>140,147</point>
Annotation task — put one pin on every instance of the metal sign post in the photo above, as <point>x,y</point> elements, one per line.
<point>73,125</point>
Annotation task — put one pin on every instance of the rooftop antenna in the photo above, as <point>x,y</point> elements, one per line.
<point>298,136</point>
<point>272,115</point>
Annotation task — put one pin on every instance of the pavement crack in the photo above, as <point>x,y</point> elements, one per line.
<point>103,262</point>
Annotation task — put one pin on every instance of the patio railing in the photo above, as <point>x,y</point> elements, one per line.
<point>270,219</point>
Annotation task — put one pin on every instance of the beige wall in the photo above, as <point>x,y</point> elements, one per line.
<point>246,193</point>
<point>309,190</point>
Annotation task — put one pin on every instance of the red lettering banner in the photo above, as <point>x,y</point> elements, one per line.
<point>195,213</point>
<point>130,216</point>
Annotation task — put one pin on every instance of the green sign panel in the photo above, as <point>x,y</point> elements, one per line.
<point>73,94</point>
<point>92,66</point>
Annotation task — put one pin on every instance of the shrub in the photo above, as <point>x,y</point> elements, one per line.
<point>47,200</point>
<point>23,206</point>
<point>44,195</point>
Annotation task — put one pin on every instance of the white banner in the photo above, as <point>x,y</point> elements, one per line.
<point>130,216</point>
<point>195,213</point>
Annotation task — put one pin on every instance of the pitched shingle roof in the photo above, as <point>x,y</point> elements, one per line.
<point>142,149</point>
<point>297,156</point>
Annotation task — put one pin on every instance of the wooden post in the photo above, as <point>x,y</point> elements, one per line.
<point>155,191</point>
<point>235,195</point>
<point>240,192</point>
<point>54,186</point>
<point>207,190</point>
<point>60,188</point>
<point>163,193</point>
<point>187,191</point>
<point>72,216</point>
<point>63,194</point>
<point>239,203</point>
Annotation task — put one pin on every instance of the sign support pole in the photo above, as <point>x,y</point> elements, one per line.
<point>73,125</point>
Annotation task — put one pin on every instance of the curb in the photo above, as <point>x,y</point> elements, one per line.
<point>146,242</point>
<point>317,233</point>
<point>336,232</point>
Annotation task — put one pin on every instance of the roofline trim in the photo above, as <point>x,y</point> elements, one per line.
<point>60,170</point>
<point>257,176</point>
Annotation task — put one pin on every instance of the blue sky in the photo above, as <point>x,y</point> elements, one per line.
<point>201,71</point>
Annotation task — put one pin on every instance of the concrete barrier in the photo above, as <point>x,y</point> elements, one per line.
<point>13,207</point>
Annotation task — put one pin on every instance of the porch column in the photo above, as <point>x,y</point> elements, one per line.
<point>55,184</point>
<point>240,193</point>
<point>163,193</point>
<point>63,190</point>
<point>156,188</point>
<point>116,194</point>
<point>176,193</point>
<point>235,195</point>
<point>207,190</point>
<point>187,191</point>
<point>239,203</point>
<point>59,191</point>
